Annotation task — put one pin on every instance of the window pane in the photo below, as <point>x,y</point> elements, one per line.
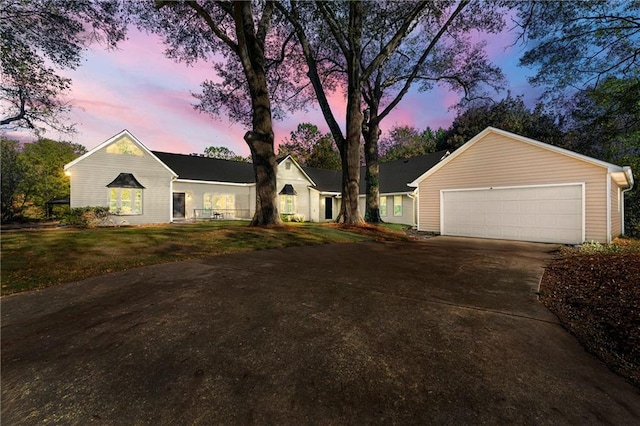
<point>397,205</point>
<point>125,201</point>
<point>207,201</point>
<point>383,206</point>
<point>137,206</point>
<point>113,200</point>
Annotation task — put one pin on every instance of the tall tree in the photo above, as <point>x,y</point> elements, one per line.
<point>510,114</point>
<point>331,38</point>
<point>40,38</point>
<point>406,142</point>
<point>309,147</point>
<point>32,173</point>
<point>605,123</point>
<point>247,48</point>
<point>436,51</point>
<point>577,44</point>
<point>12,173</point>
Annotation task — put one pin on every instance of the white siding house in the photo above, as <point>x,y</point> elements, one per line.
<point>143,186</point>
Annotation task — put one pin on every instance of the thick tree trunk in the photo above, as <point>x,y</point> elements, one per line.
<point>265,168</point>
<point>350,147</point>
<point>371,135</point>
<point>261,138</point>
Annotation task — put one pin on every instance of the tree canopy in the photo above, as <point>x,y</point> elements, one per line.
<point>309,147</point>
<point>223,153</point>
<point>510,114</point>
<point>578,44</point>
<point>40,38</point>
<point>405,142</point>
<point>32,174</point>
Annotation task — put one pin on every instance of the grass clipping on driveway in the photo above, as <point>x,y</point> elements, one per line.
<point>595,293</point>
<point>41,258</point>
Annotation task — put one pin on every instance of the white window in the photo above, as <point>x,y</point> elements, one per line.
<point>125,201</point>
<point>397,205</point>
<point>124,147</point>
<point>219,202</point>
<point>287,204</point>
<point>383,206</point>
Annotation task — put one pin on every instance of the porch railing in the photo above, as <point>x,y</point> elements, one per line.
<point>221,214</point>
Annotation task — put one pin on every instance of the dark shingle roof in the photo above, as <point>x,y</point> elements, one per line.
<point>208,169</point>
<point>394,175</point>
<point>125,180</point>
<point>325,180</point>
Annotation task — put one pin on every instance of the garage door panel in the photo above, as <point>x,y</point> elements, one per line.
<point>545,214</point>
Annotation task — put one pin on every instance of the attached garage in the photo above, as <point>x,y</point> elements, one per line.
<point>550,213</point>
<point>504,186</point>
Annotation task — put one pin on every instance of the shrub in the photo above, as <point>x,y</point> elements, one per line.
<point>86,217</point>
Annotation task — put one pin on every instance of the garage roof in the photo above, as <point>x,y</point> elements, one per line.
<point>620,174</point>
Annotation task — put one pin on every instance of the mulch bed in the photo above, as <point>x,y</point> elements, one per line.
<point>596,296</point>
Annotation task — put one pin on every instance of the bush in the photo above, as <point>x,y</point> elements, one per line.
<point>86,217</point>
<point>292,217</point>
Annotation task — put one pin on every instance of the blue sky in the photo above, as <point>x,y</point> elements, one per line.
<point>137,88</point>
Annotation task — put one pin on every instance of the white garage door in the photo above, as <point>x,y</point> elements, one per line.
<point>550,214</point>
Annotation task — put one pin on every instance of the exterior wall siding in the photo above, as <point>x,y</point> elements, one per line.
<point>408,209</point>
<point>90,177</point>
<point>295,177</point>
<point>616,210</point>
<point>194,197</point>
<point>496,161</point>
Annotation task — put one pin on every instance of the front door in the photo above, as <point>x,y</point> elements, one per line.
<point>179,205</point>
<point>328,208</point>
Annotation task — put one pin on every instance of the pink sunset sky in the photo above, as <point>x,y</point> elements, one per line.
<point>137,88</point>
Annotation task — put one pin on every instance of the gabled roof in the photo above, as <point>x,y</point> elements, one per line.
<point>394,175</point>
<point>610,167</point>
<point>325,180</point>
<point>280,160</point>
<point>114,138</point>
<point>193,167</point>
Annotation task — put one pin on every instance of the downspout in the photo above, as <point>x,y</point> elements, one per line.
<point>413,209</point>
<point>608,208</point>
<point>627,171</point>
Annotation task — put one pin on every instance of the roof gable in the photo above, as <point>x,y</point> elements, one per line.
<point>128,138</point>
<point>302,170</point>
<point>610,167</point>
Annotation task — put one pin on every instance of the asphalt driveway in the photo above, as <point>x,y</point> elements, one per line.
<point>442,331</point>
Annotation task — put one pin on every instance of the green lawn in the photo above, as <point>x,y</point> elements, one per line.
<point>40,258</point>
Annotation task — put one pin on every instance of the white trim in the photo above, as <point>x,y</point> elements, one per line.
<point>609,208</point>
<point>441,210</point>
<point>408,194</point>
<point>512,187</point>
<point>211,182</point>
<point>584,212</point>
<point>610,167</point>
<point>298,166</point>
<point>171,200</point>
<point>109,141</point>
<point>581,184</point>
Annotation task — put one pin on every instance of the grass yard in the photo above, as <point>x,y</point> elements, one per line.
<point>595,292</point>
<point>40,258</point>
